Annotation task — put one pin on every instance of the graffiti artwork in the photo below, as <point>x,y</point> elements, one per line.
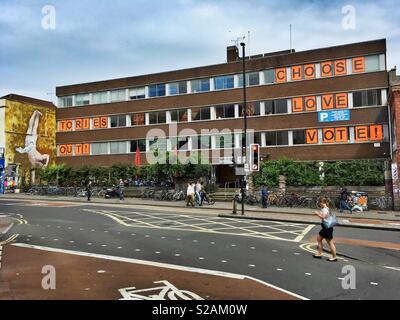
<point>35,157</point>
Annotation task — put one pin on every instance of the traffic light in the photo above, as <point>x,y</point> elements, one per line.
<point>255,157</point>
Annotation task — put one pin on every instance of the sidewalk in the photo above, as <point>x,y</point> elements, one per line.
<point>387,220</point>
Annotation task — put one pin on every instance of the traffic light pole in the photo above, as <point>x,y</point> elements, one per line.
<point>244,148</point>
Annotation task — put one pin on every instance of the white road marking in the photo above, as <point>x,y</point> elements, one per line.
<point>89,244</point>
<point>101,271</point>
<point>30,236</point>
<point>296,254</point>
<point>177,255</point>
<point>157,252</point>
<point>252,248</point>
<point>104,245</point>
<point>106,231</point>
<point>42,238</point>
<point>201,258</point>
<point>392,268</point>
<point>147,236</point>
<point>275,251</point>
<point>178,239</point>
<point>69,228</point>
<point>303,233</point>
<point>138,250</point>
<point>233,245</point>
<point>58,227</point>
<point>278,269</point>
<point>195,241</point>
<point>308,274</point>
<point>119,248</point>
<point>53,239</point>
<point>81,229</point>
<point>159,264</point>
<point>374,283</point>
<point>93,230</point>
<point>224,261</point>
<point>251,265</point>
<point>212,242</point>
<point>72,241</point>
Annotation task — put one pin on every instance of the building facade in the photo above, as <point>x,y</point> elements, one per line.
<point>394,103</point>
<point>323,104</point>
<point>27,136</point>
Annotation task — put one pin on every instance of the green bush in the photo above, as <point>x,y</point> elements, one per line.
<point>306,173</point>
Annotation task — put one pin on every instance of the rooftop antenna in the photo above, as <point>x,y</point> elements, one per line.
<point>248,42</point>
<point>290,31</point>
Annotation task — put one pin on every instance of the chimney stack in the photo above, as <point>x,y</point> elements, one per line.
<point>232,53</point>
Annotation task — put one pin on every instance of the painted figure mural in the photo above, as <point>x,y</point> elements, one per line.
<point>35,157</point>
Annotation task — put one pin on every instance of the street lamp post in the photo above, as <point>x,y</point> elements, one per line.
<point>244,110</point>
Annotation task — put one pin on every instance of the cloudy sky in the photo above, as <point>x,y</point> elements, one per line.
<point>101,39</point>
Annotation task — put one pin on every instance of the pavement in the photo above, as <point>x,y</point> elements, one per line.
<point>114,251</point>
<point>383,220</point>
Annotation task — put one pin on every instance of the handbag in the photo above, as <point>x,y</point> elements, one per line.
<point>330,221</point>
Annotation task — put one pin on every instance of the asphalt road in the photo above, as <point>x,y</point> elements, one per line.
<point>276,252</point>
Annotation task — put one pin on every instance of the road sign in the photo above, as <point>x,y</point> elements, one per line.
<point>334,115</point>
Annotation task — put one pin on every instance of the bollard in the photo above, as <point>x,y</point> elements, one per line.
<point>234,209</point>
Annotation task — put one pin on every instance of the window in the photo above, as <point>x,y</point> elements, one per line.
<point>253,109</point>
<point>66,101</point>
<point>252,79</point>
<point>372,63</point>
<point>137,93</point>
<point>200,85</point>
<point>118,147</point>
<point>299,137</point>
<point>138,119</point>
<point>256,138</point>
<point>225,111</point>
<point>179,143</point>
<point>201,114</point>
<point>138,143</point>
<point>157,90</point>
<point>157,117</point>
<point>82,99</point>
<point>367,98</point>
<point>276,106</point>
<point>204,143</point>
<point>118,95</point>
<point>177,88</point>
<point>158,144</point>
<point>225,141</point>
<point>100,148</point>
<point>277,138</point>
<point>118,121</point>
<point>99,97</point>
<point>225,82</point>
<point>269,76</point>
<point>179,115</point>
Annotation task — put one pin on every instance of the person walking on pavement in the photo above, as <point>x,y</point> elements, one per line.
<point>344,201</point>
<point>89,190</point>
<point>264,196</point>
<point>190,194</point>
<point>325,233</point>
<point>198,192</point>
<point>121,189</point>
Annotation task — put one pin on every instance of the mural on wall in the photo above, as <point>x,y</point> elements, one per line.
<point>35,157</point>
<point>30,135</point>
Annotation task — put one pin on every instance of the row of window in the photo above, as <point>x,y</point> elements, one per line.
<point>302,72</point>
<point>357,134</point>
<point>257,108</point>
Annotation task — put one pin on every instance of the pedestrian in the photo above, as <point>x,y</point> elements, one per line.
<point>264,196</point>
<point>328,221</point>
<point>203,194</point>
<point>198,192</point>
<point>190,194</point>
<point>344,201</point>
<point>121,189</point>
<point>89,190</point>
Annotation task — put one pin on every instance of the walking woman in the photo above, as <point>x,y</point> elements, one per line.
<point>326,233</point>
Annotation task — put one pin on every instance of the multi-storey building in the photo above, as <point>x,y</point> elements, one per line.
<point>321,104</point>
